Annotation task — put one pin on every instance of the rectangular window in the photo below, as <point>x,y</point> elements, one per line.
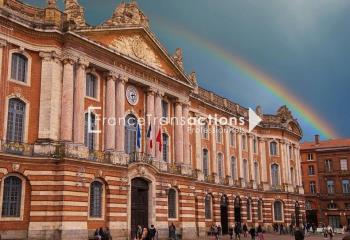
<point>19,67</point>
<point>344,164</point>
<point>165,109</point>
<point>91,82</point>
<point>310,156</point>
<point>312,187</point>
<point>328,165</point>
<point>273,149</point>
<point>330,186</point>
<point>218,134</point>
<point>205,131</point>
<point>345,184</point>
<point>311,170</point>
<point>232,138</point>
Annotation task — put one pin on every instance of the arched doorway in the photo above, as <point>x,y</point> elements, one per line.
<point>238,207</point>
<point>130,135</point>
<point>139,204</point>
<point>224,214</point>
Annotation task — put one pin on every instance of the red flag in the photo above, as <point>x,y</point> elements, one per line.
<point>159,140</point>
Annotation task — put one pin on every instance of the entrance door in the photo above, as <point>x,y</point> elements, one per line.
<point>311,217</point>
<point>224,214</point>
<point>139,204</point>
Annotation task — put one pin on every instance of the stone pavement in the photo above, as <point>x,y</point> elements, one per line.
<point>288,237</point>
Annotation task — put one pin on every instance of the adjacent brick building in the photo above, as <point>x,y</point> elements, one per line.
<point>59,180</point>
<point>326,176</point>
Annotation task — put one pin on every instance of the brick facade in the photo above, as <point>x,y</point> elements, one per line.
<point>56,168</point>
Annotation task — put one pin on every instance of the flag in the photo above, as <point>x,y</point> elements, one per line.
<point>149,132</point>
<point>138,137</point>
<point>159,140</point>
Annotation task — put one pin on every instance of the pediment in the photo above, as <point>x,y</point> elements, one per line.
<point>141,47</point>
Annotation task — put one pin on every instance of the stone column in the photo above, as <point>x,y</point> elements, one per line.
<point>158,114</point>
<point>264,178</point>
<point>67,100</point>
<point>50,97</point>
<point>298,167</point>
<point>110,112</point>
<point>120,112</point>
<point>251,157</point>
<point>79,99</point>
<point>178,137</point>
<point>150,117</point>
<point>283,167</point>
<point>240,156</point>
<point>186,135</point>
<point>3,44</point>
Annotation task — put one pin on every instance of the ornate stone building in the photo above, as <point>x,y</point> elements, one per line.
<point>59,180</point>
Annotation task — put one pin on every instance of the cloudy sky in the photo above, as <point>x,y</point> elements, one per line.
<point>304,45</point>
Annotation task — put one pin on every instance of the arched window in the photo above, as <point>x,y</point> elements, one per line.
<point>244,142</point>
<point>256,172</point>
<point>218,134</point>
<point>12,197</point>
<point>274,175</point>
<point>233,168</point>
<point>165,147</point>
<point>205,162</point>
<point>255,146</point>
<point>232,138</point>
<point>208,206</point>
<point>249,209</point>
<point>273,148</point>
<point>260,210</point>
<point>172,208</point>
<point>205,131</point>
<point>96,196</point>
<point>245,170</point>
<point>15,120</point>
<point>130,134</point>
<point>19,67</point>
<point>90,126</point>
<point>220,165</point>
<point>91,85</point>
<point>277,211</point>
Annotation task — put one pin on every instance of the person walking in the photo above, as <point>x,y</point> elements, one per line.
<point>260,233</point>
<point>237,232</point>
<point>145,234</point>
<point>138,234</point>
<point>152,232</point>
<point>245,230</point>
<point>299,234</point>
<point>230,231</point>
<point>97,235</point>
<point>108,234</point>
<point>330,232</point>
<point>172,232</point>
<point>252,233</point>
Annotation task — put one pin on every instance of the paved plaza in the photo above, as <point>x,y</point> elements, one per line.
<point>289,237</point>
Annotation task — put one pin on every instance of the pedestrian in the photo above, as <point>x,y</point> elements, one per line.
<point>252,233</point>
<point>219,232</point>
<point>145,234</point>
<point>260,233</point>
<point>97,235</point>
<point>230,231</point>
<point>237,231</point>
<point>298,234</point>
<point>245,230</point>
<point>108,234</point>
<point>172,232</point>
<point>330,232</point>
<point>152,232</point>
<point>138,232</point>
<point>102,233</point>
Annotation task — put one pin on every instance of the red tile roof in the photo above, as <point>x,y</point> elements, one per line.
<point>336,143</point>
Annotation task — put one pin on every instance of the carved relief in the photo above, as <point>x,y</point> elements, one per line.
<point>135,47</point>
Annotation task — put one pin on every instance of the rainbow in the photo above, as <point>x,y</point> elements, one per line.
<point>253,73</point>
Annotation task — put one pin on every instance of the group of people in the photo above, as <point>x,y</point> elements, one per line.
<point>144,233</point>
<point>102,234</point>
<point>236,230</point>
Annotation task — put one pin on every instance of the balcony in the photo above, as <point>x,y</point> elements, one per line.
<point>62,150</point>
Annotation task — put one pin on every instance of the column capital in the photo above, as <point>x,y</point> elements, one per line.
<point>151,91</point>
<point>3,43</point>
<point>84,63</point>
<point>49,56</point>
<point>160,93</point>
<point>122,78</point>
<point>111,75</point>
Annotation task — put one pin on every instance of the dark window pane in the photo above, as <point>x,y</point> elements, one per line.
<point>11,205</point>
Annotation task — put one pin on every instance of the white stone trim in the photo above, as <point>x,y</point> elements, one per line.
<point>23,195</point>
<point>27,83</point>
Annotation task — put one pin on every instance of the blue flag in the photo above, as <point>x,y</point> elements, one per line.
<point>138,137</point>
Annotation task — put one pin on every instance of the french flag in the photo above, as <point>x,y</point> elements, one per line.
<point>149,138</point>
<point>159,140</point>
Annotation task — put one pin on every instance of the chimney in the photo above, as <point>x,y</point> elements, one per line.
<point>317,139</point>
